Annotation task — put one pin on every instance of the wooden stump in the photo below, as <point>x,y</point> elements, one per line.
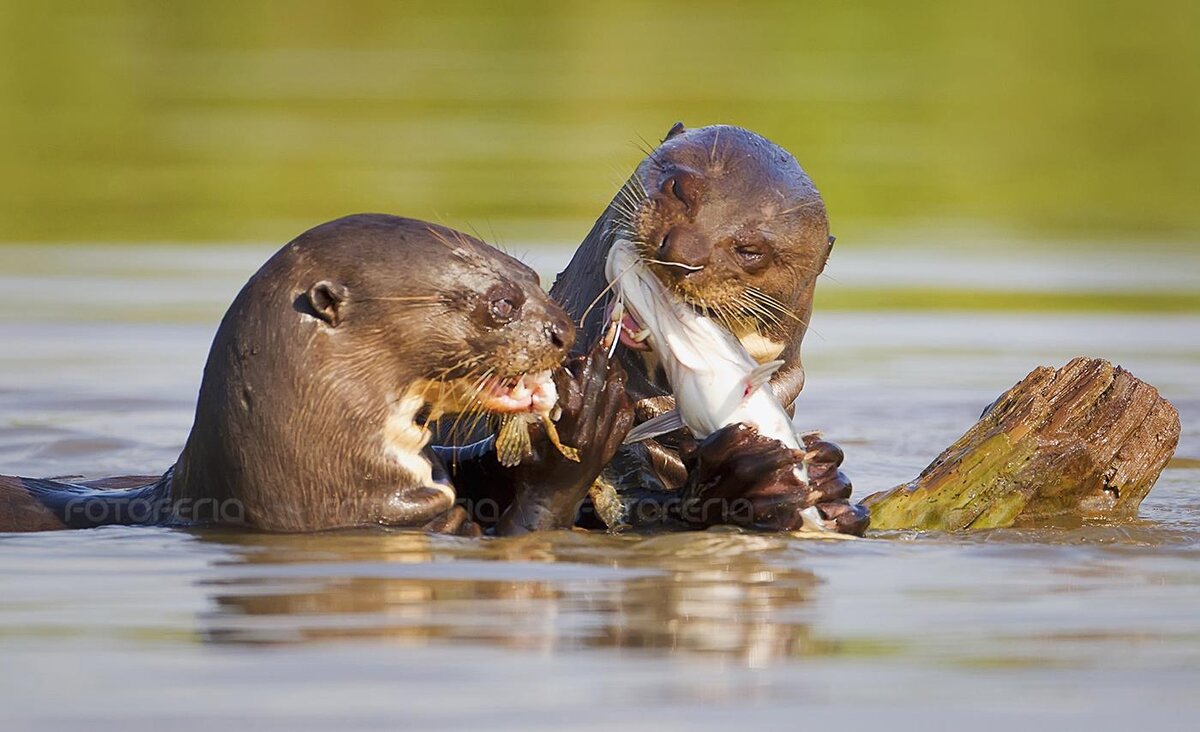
<point>1088,440</point>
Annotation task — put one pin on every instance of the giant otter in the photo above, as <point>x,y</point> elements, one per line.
<point>732,225</point>
<point>322,374</point>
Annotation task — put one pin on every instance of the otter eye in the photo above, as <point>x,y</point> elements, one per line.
<point>503,310</point>
<point>676,188</point>
<point>500,305</point>
<point>749,254</point>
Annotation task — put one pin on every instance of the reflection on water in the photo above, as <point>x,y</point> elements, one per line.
<point>357,627</point>
<point>714,593</point>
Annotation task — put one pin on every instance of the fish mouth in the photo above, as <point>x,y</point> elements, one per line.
<point>532,392</point>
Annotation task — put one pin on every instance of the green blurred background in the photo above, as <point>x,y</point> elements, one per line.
<point>250,121</point>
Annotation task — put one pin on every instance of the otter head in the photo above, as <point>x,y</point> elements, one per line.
<point>329,362</point>
<point>731,223</point>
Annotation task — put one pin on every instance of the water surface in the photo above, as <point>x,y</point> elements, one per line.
<point>1026,171</point>
<point>125,628</point>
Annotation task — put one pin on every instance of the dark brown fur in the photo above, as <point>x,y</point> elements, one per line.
<point>752,231</point>
<point>737,205</point>
<point>305,418</point>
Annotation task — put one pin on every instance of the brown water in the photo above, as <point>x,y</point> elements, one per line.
<point>125,628</point>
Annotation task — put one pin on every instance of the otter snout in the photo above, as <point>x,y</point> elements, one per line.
<point>559,330</point>
<point>685,245</point>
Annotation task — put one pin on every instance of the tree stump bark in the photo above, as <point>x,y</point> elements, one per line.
<point>1086,441</point>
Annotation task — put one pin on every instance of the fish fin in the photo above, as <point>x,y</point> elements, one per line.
<point>567,451</point>
<point>684,352</point>
<point>760,376</point>
<point>512,443</point>
<point>660,425</point>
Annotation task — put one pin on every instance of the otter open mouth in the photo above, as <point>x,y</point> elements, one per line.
<point>522,402</point>
<point>518,402</point>
<point>633,334</point>
<point>534,392</point>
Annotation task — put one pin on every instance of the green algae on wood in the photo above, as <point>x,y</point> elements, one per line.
<point>1086,441</point>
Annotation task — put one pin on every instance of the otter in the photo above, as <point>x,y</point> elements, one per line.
<point>732,224</point>
<point>320,380</point>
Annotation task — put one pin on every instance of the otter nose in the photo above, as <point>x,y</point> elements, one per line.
<point>560,331</point>
<point>685,245</point>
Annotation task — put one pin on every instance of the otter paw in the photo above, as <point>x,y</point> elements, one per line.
<point>737,476</point>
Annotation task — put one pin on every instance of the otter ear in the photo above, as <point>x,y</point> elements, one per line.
<point>676,129</point>
<point>326,300</point>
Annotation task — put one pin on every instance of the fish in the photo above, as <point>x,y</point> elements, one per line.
<point>715,379</point>
<point>514,444</point>
<point>532,400</point>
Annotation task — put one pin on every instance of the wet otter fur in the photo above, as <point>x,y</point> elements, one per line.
<point>319,382</point>
<point>733,226</point>
<point>731,223</point>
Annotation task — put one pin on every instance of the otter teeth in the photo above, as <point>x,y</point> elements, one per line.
<point>529,393</point>
<point>632,333</point>
<point>544,394</point>
<point>521,392</point>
